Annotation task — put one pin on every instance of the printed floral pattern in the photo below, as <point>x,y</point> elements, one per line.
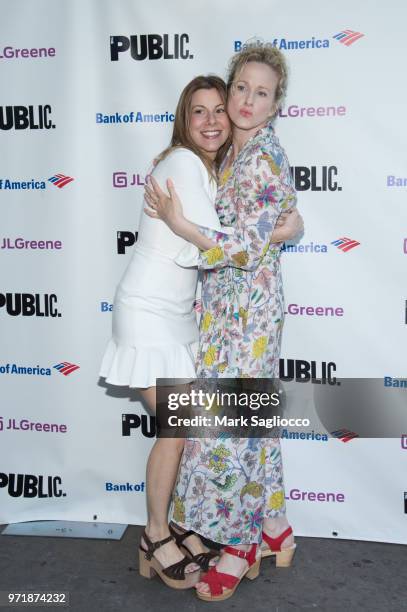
<point>225,488</point>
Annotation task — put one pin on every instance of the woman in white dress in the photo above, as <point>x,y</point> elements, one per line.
<point>155,330</point>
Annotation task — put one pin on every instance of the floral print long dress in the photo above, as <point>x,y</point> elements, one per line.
<point>226,487</point>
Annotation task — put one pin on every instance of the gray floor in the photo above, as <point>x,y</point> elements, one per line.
<point>102,575</point>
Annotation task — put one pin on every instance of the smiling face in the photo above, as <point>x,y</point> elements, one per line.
<point>209,125</point>
<point>251,101</point>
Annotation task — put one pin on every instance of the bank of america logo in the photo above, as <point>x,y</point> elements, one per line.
<point>345,244</point>
<point>348,37</point>
<point>66,368</point>
<point>344,435</point>
<point>60,180</point>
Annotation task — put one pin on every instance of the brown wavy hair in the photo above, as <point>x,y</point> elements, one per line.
<point>181,136</point>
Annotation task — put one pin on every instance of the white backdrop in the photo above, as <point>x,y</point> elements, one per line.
<point>65,456</point>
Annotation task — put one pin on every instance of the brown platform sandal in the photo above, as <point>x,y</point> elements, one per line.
<point>173,576</point>
<point>202,559</point>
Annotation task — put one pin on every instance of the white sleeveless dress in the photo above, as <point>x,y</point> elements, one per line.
<point>154,330</point>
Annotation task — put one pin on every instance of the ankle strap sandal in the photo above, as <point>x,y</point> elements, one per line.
<point>221,585</point>
<point>202,559</point>
<point>174,575</point>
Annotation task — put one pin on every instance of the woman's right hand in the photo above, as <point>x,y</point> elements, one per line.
<point>161,206</point>
<point>288,226</point>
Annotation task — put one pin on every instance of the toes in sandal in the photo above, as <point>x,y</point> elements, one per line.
<point>202,559</point>
<point>173,576</point>
<point>284,556</point>
<point>222,586</point>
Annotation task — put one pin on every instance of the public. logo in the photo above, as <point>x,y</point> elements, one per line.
<point>131,422</point>
<point>26,117</point>
<point>151,46</point>
<point>66,368</point>
<point>344,435</point>
<point>403,441</point>
<point>405,246</point>
<point>30,304</point>
<point>345,244</point>
<point>315,178</point>
<point>125,240</point>
<point>348,37</point>
<point>308,371</point>
<point>60,180</point>
<point>30,485</point>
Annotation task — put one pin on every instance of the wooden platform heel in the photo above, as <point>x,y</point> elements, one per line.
<point>284,556</point>
<point>173,576</point>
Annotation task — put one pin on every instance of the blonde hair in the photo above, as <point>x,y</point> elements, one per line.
<point>181,136</point>
<point>264,54</point>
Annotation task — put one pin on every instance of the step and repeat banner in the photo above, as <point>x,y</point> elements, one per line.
<point>88,95</point>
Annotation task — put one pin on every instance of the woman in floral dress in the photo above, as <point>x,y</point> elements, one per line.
<point>231,490</point>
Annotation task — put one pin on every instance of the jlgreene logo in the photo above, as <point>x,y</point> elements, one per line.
<point>26,53</point>
<point>315,178</point>
<point>30,485</point>
<point>314,496</point>
<point>32,245</point>
<point>151,47</point>
<point>58,180</point>
<point>127,179</point>
<point>314,311</point>
<point>29,304</point>
<point>312,111</point>
<point>125,240</point>
<point>26,117</point>
<point>27,425</point>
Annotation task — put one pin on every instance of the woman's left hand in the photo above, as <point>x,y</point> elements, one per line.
<point>164,207</point>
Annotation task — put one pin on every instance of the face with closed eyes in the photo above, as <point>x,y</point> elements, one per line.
<point>251,101</point>
<point>209,125</point>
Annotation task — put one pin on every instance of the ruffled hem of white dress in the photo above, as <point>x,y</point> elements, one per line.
<point>140,367</point>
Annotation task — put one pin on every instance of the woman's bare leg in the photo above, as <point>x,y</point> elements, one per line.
<point>162,469</point>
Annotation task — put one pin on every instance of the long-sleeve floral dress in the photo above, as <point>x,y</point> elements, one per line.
<point>226,487</point>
